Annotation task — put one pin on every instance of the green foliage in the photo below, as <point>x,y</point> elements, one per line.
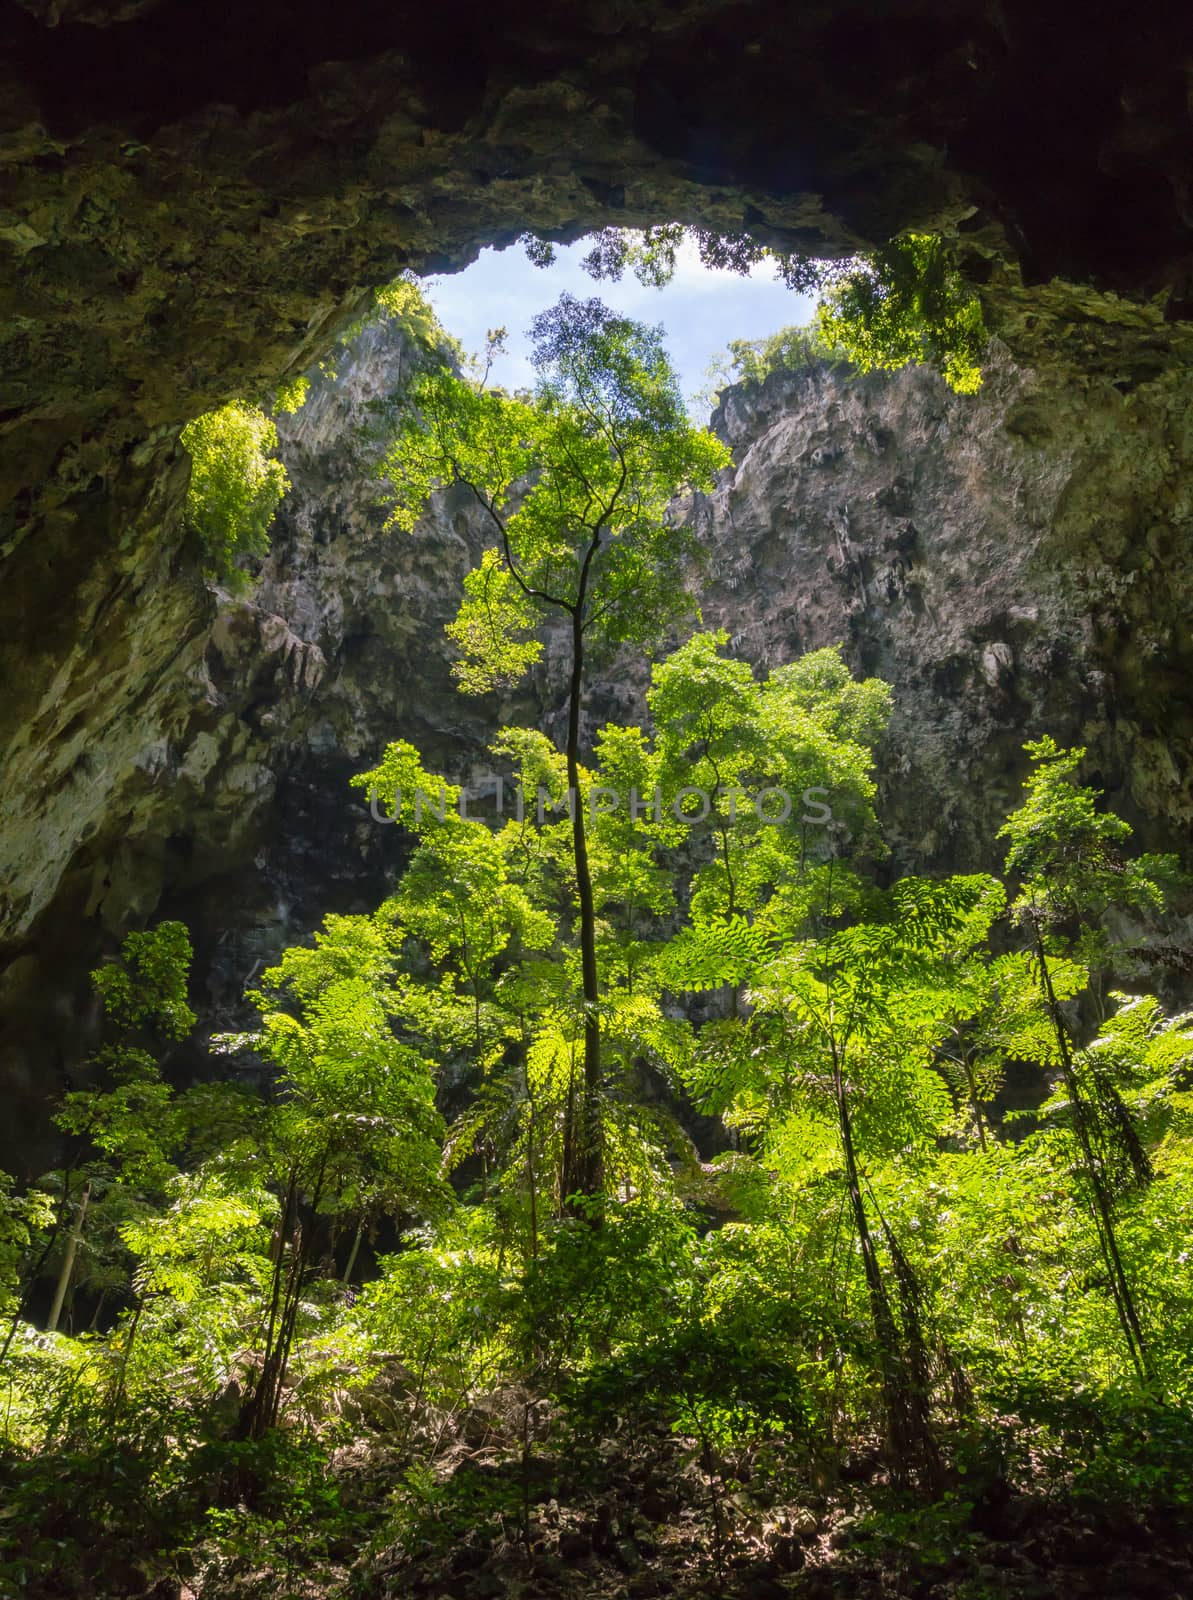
<point>212,1231</point>
<point>130,1115</point>
<point>456,1271</point>
<point>235,488</point>
<point>891,1266</point>
<point>804,734</point>
<point>147,985</point>
<point>671,1339</point>
<point>354,1122</point>
<point>711,955</point>
<point>650,254</point>
<point>604,444</point>
<point>494,629</point>
<point>398,1247</point>
<point>237,483</point>
<point>291,396</point>
<point>22,1218</point>
<point>1066,853</point>
<point>791,349</point>
<point>575,483</point>
<point>403,302</point>
<point>905,302</point>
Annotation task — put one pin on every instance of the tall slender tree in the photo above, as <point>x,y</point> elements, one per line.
<point>574,483</point>
<point>1068,858</point>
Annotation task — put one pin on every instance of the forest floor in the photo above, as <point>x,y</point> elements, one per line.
<point>638,1518</point>
<point>503,1500</point>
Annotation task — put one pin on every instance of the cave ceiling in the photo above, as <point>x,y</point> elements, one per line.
<point>194,195</point>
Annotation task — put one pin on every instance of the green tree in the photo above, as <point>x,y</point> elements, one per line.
<point>23,1219</point>
<point>458,894</point>
<point>1068,859</point>
<point>352,1127</point>
<point>236,485</point>
<point>128,1125</point>
<point>496,983</point>
<point>779,771</point>
<point>791,349</point>
<point>1004,1018</point>
<point>574,484</point>
<point>836,1067</point>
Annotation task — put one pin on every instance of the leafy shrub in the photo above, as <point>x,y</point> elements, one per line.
<point>235,485</point>
<point>1116,1445</point>
<point>291,396</point>
<point>148,984</point>
<point>907,303</point>
<point>791,349</point>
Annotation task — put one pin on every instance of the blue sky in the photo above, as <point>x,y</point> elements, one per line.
<point>700,309</point>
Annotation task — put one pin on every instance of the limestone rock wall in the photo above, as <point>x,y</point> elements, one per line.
<point>1014,563</point>
<point>213,782</point>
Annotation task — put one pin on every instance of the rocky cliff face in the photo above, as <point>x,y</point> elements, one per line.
<point>1013,563</point>
<point>215,786</point>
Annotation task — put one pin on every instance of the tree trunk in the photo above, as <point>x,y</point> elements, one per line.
<point>1120,1285</point>
<point>250,1424</point>
<point>118,1389</point>
<point>352,1254</point>
<point>586,1175</point>
<point>68,1260</point>
<point>974,1103</point>
<point>21,1304</point>
<point>531,1170</point>
<point>908,1427</point>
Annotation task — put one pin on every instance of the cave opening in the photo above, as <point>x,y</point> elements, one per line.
<point>701,308</point>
